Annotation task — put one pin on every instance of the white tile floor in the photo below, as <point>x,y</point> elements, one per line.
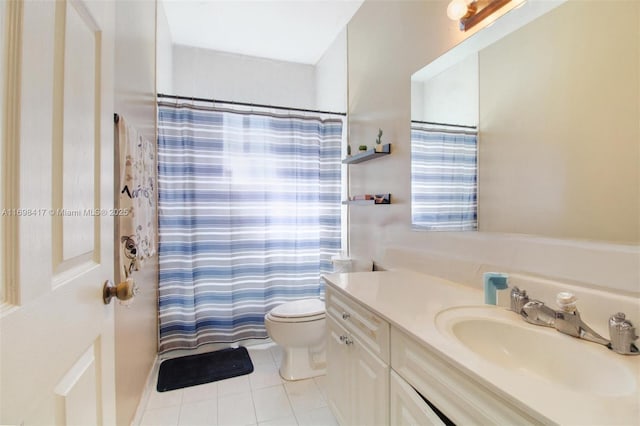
<point>260,398</point>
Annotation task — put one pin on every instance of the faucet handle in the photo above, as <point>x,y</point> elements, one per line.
<point>622,334</point>
<point>519,298</point>
<point>566,301</point>
<point>536,312</point>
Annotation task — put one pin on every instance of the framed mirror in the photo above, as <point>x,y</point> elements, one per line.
<point>558,134</point>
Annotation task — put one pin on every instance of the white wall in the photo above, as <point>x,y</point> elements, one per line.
<point>388,42</point>
<point>204,73</point>
<point>417,100</point>
<point>331,95</point>
<point>331,76</point>
<point>3,8</point>
<point>164,53</point>
<point>135,99</point>
<point>208,74</point>
<point>449,97</point>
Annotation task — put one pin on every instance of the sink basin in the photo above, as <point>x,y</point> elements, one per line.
<point>502,338</point>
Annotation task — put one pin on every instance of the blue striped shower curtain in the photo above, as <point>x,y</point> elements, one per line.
<point>443,179</point>
<point>249,217</point>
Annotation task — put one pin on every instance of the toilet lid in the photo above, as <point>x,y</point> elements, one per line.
<point>299,309</point>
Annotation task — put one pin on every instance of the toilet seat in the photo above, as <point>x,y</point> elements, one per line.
<point>298,311</point>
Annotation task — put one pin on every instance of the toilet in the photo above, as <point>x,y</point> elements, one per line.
<point>299,327</point>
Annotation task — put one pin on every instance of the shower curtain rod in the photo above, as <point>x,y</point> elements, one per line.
<point>444,124</point>
<point>216,101</point>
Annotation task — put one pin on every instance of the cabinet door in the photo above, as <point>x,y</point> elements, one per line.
<point>338,374</point>
<point>407,408</point>
<point>370,393</point>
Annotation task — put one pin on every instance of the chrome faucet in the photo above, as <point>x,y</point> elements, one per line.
<point>532,311</point>
<point>536,312</point>
<point>567,320</point>
<point>622,333</point>
<point>519,298</point>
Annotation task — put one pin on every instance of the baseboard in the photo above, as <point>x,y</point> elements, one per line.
<point>149,385</point>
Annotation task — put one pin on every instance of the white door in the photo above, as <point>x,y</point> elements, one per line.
<point>56,335</point>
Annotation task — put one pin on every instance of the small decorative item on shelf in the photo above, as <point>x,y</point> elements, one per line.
<point>369,199</point>
<point>362,148</point>
<point>382,198</point>
<point>348,149</point>
<point>362,197</point>
<point>379,141</point>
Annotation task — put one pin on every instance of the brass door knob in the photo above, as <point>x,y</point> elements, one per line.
<point>123,291</point>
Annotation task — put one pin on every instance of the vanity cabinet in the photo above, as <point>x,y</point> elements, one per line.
<point>406,405</point>
<point>422,350</point>
<point>460,398</point>
<point>373,382</point>
<point>357,363</point>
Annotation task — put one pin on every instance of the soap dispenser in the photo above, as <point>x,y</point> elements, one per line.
<point>493,281</point>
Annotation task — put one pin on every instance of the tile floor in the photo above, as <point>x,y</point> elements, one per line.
<point>260,398</point>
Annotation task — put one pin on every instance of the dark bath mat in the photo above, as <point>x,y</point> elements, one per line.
<point>198,369</point>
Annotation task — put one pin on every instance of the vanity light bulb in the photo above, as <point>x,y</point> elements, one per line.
<point>457,9</point>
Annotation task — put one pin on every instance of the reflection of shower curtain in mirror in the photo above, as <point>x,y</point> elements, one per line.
<point>443,179</point>
<point>249,210</point>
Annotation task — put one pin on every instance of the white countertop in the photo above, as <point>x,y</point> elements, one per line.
<point>411,301</point>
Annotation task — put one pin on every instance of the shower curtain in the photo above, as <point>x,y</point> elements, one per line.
<point>249,217</point>
<point>443,179</point>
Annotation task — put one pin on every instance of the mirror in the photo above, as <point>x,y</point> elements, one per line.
<point>558,107</point>
<point>444,146</point>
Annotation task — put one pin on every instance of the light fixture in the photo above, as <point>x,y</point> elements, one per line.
<point>458,9</point>
<point>472,12</point>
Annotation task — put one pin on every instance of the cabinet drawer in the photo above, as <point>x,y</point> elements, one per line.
<point>458,396</point>
<point>371,330</point>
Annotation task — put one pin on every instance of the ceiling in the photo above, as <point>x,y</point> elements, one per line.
<point>288,30</point>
